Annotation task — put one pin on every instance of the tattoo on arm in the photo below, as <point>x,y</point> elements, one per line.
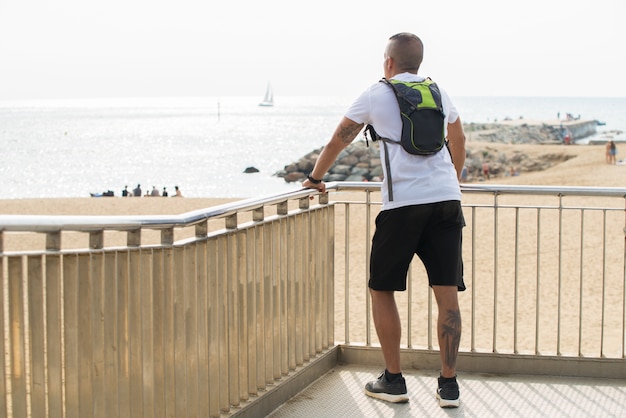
<point>348,133</point>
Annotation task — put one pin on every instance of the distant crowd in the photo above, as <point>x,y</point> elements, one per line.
<point>136,192</point>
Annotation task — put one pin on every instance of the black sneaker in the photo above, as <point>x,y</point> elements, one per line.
<point>448,392</point>
<point>387,391</point>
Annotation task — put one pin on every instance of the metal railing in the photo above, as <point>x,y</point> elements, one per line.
<point>545,272</point>
<point>562,291</point>
<point>544,268</point>
<point>191,328</point>
<point>204,324</point>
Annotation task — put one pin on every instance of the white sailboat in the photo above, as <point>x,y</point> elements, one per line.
<point>268,100</point>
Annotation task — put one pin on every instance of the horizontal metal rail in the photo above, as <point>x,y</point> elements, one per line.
<point>55,223</point>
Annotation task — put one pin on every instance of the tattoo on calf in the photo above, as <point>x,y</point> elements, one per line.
<point>451,337</point>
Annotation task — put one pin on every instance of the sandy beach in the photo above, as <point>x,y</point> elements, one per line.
<point>586,168</point>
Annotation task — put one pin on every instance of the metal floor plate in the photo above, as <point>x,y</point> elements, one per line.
<point>339,393</point>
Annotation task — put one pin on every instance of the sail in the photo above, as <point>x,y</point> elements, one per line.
<point>268,100</point>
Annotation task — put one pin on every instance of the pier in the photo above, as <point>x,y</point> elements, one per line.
<point>578,128</point>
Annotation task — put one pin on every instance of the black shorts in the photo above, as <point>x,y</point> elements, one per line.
<point>432,231</point>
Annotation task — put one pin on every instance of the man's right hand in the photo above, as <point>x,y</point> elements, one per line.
<point>321,187</point>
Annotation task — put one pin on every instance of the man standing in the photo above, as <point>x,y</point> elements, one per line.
<point>423,217</point>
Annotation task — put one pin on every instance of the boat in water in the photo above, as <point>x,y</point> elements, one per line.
<point>268,100</point>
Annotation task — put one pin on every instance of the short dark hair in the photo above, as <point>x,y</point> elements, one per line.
<point>407,50</point>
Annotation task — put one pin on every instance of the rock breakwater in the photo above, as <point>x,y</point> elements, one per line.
<point>358,162</point>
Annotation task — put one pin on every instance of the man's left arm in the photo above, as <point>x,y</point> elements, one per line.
<point>456,144</point>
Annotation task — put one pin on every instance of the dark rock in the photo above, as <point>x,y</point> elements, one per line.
<point>295,176</point>
<point>341,169</point>
<point>349,160</point>
<point>306,165</point>
<point>251,170</point>
<point>377,171</point>
<point>335,177</point>
<point>291,168</point>
<point>359,171</point>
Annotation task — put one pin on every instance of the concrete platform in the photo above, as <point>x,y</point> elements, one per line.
<point>339,393</point>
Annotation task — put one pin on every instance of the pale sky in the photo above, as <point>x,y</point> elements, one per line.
<point>64,49</point>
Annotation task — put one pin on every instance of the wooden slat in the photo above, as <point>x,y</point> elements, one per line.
<point>180,346</point>
<point>169,332</point>
<point>271,313</point>
<point>54,335</point>
<point>123,332</point>
<point>202,330</point>
<point>242,296</point>
<point>17,332</point>
<point>233,320</point>
<point>146,335</point>
<point>253,278</point>
<point>136,389</point>
<point>282,290</point>
<point>110,309</point>
<point>223,378</point>
<point>214,315</point>
<point>85,347</point>
<point>159,323</point>
<point>5,342</point>
<point>97,328</point>
<point>260,267</point>
<point>190,329</point>
<point>70,335</point>
<point>36,320</point>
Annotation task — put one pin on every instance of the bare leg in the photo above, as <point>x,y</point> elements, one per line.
<point>388,327</point>
<point>448,327</point>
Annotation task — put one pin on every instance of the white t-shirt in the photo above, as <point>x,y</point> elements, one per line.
<point>416,179</point>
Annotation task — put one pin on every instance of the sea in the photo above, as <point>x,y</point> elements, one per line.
<point>76,148</point>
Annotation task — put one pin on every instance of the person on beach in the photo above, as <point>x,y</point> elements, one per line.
<point>137,191</point>
<point>424,218</point>
<point>178,192</point>
<point>164,192</point>
<point>611,152</point>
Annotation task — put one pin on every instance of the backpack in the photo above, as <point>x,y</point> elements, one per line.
<point>423,120</point>
<point>422,116</point>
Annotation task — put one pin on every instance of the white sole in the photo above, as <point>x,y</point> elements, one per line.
<point>448,403</point>
<point>387,397</point>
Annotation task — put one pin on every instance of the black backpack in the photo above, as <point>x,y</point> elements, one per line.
<point>422,116</point>
<point>423,120</point>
